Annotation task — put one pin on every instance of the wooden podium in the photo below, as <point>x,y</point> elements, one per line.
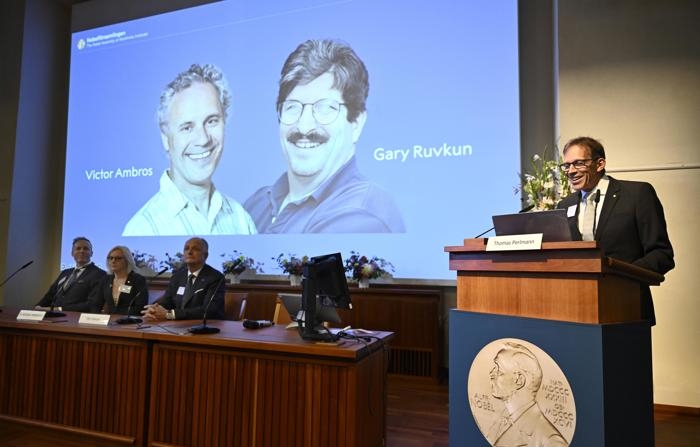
<point>582,308</point>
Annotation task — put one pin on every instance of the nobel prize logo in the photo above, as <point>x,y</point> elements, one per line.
<point>519,396</point>
<point>81,44</point>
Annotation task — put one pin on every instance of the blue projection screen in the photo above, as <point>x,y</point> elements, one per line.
<point>441,135</point>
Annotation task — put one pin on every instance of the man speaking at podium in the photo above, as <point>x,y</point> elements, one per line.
<point>625,217</point>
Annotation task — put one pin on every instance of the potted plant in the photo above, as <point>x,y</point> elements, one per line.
<point>173,262</point>
<point>364,268</point>
<point>146,263</point>
<point>237,263</point>
<point>293,266</point>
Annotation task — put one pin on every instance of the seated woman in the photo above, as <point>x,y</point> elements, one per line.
<point>122,290</point>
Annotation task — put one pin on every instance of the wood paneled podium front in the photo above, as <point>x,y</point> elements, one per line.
<point>581,308</point>
<point>564,281</point>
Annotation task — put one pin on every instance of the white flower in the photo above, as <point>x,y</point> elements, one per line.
<point>545,184</point>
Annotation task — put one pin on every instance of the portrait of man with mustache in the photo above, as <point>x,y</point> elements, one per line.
<point>321,110</point>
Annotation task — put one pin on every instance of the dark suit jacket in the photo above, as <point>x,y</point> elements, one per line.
<point>75,298</point>
<point>209,283</point>
<point>631,228</point>
<point>100,298</point>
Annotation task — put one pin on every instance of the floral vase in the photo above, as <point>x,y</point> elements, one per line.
<point>294,280</point>
<point>363,283</point>
<point>233,278</point>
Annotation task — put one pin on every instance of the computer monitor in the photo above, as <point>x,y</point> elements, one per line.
<point>323,285</point>
<point>292,304</point>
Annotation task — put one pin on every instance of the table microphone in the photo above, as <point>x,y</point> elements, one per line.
<point>203,328</point>
<point>132,319</point>
<point>14,273</point>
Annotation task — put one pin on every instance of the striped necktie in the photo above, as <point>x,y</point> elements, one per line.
<point>72,277</point>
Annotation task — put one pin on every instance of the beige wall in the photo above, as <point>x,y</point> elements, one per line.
<point>629,75</point>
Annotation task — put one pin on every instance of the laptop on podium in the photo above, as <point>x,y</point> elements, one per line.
<point>553,224</point>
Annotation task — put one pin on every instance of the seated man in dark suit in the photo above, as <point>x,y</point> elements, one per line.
<point>190,288</point>
<point>625,217</point>
<point>71,289</point>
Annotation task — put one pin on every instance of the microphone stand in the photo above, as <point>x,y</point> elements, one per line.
<point>129,319</point>
<point>54,313</point>
<point>203,328</point>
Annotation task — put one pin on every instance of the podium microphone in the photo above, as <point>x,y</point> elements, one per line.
<point>203,328</point>
<point>15,272</point>
<point>524,210</point>
<point>134,319</point>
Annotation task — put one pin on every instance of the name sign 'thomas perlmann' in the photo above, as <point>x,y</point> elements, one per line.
<point>519,396</point>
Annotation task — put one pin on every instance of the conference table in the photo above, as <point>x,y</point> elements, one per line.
<point>159,385</point>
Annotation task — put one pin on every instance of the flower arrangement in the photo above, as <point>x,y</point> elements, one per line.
<point>237,263</point>
<point>291,264</point>
<point>547,184</point>
<point>363,267</point>
<point>145,261</point>
<point>173,262</point>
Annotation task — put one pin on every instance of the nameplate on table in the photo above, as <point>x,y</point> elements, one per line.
<point>31,315</point>
<point>94,319</point>
<point>515,242</point>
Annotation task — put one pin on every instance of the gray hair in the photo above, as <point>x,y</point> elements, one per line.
<point>196,73</point>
